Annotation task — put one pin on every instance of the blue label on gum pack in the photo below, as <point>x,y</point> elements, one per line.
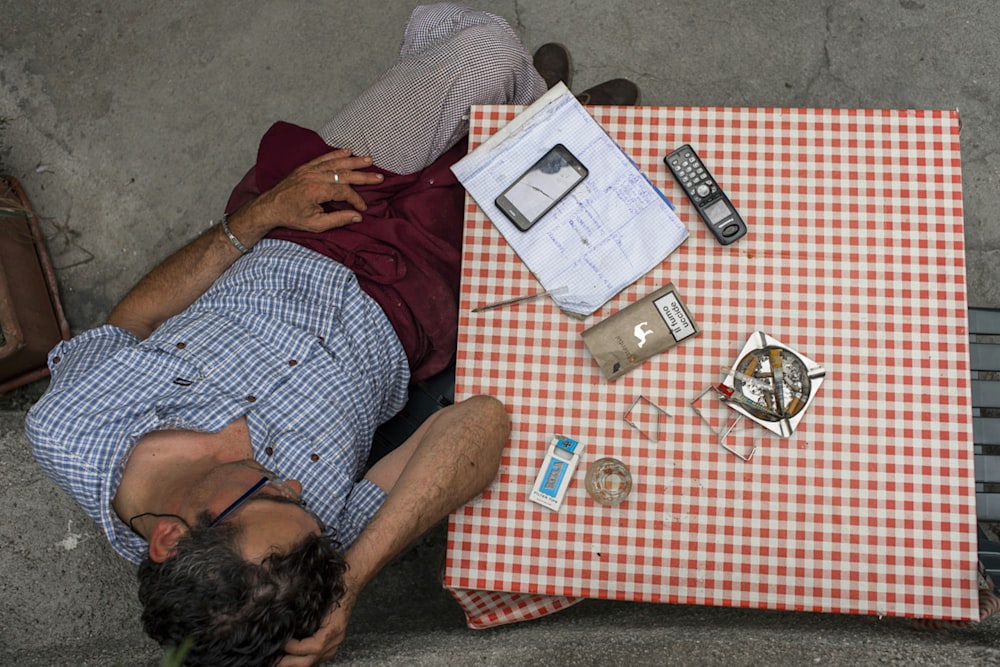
<point>556,471</point>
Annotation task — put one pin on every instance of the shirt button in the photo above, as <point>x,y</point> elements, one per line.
<point>314,458</point>
<point>251,399</point>
<point>293,362</point>
<point>269,451</point>
<point>56,360</point>
<point>181,346</point>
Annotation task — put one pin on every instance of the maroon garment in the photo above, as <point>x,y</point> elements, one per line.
<point>405,252</point>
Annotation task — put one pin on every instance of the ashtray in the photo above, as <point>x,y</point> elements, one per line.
<point>608,481</point>
<point>771,384</point>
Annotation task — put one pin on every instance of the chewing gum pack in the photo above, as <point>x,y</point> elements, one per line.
<point>556,472</point>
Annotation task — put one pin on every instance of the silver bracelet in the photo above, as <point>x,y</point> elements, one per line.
<point>232,237</point>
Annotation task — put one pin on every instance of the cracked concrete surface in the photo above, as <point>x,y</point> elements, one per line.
<point>129,122</point>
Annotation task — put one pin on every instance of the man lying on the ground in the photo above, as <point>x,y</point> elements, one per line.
<point>219,425</point>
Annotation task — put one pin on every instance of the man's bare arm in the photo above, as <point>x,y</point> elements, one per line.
<point>295,202</point>
<point>449,460</point>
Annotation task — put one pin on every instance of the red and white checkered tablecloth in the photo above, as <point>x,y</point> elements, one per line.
<point>856,259</point>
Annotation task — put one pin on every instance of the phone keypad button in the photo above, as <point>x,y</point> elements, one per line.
<point>693,176</point>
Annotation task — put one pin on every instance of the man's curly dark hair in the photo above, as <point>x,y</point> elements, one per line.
<point>236,612</point>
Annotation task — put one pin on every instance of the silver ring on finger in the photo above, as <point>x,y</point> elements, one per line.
<point>336,178</point>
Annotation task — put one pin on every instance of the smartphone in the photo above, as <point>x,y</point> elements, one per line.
<point>544,185</point>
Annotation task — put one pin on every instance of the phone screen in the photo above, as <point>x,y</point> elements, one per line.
<point>543,186</point>
<point>718,212</point>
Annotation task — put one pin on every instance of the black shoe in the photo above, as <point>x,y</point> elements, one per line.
<point>552,62</point>
<point>616,92</point>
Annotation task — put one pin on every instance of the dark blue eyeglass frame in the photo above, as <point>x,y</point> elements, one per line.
<point>239,501</point>
<point>288,495</point>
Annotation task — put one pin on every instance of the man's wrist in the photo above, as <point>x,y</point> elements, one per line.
<point>232,237</point>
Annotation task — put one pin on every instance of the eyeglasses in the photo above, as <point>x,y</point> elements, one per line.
<point>288,495</point>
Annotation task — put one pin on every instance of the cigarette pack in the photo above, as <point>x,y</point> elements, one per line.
<point>653,324</point>
<point>556,472</point>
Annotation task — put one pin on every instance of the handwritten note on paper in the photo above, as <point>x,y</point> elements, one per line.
<point>611,230</point>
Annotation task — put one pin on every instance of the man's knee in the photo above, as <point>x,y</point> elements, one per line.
<point>487,51</point>
<point>491,408</point>
<point>491,416</point>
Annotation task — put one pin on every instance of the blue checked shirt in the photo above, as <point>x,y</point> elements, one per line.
<point>285,338</point>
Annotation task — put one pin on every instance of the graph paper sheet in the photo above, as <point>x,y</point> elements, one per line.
<point>611,229</point>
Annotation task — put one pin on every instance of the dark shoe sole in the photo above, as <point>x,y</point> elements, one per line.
<point>553,62</point>
<point>616,92</point>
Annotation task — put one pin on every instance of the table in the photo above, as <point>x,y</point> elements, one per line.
<point>855,258</point>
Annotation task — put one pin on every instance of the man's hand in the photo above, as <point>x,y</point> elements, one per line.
<point>296,202</point>
<point>322,645</point>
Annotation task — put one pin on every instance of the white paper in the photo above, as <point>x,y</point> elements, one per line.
<point>611,230</point>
